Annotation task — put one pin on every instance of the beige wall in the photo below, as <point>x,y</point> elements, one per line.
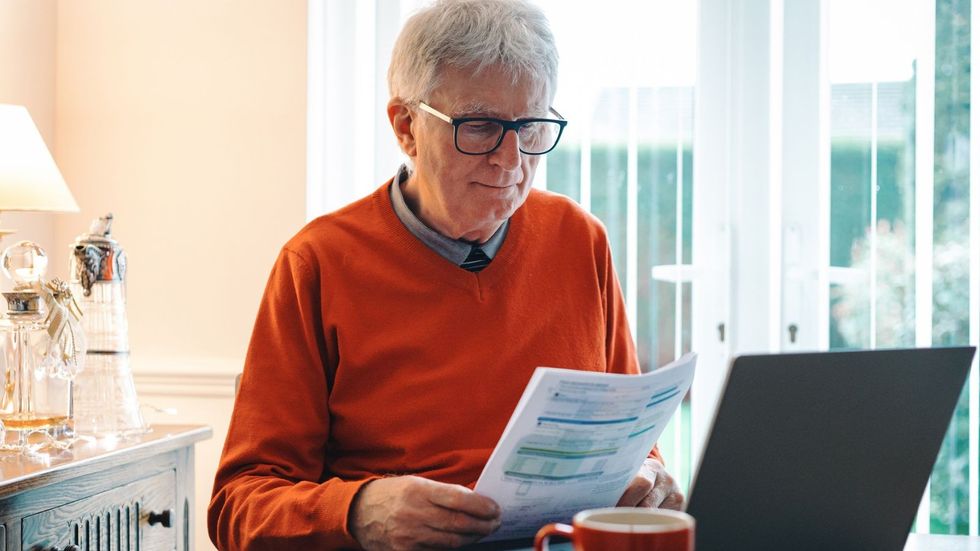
<point>186,119</point>
<point>27,77</point>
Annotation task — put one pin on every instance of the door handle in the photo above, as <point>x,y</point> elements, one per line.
<point>164,518</point>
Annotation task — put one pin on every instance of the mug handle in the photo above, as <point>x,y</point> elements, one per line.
<point>548,530</point>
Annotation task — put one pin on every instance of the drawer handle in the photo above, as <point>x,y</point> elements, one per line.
<point>164,518</point>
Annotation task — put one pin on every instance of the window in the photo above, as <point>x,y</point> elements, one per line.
<point>626,156</point>
<point>900,203</point>
<point>773,177</point>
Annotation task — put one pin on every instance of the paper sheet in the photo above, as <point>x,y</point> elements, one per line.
<point>575,441</point>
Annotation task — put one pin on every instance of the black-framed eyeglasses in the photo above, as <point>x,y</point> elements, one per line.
<point>483,135</point>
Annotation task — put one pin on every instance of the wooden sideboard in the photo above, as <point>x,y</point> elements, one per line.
<point>131,494</point>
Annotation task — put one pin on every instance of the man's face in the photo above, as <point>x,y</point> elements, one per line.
<point>469,196</point>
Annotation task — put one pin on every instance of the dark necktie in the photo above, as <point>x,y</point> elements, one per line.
<point>476,261</point>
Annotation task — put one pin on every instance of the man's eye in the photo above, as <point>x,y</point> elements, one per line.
<point>481,127</point>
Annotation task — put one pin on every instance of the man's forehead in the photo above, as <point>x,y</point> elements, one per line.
<point>491,90</point>
<point>469,107</point>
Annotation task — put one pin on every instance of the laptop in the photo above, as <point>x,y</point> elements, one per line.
<point>827,450</point>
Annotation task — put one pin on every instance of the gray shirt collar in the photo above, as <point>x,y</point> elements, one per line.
<point>452,250</point>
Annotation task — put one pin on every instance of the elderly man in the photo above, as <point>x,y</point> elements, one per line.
<point>396,335</point>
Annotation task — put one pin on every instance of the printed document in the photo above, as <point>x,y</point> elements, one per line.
<point>575,441</point>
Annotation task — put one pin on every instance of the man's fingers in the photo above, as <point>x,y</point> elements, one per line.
<point>657,499</point>
<point>638,489</point>
<point>459,498</point>
<point>412,512</point>
<point>438,539</point>
<point>674,501</point>
<point>665,492</point>
<point>460,523</point>
<point>652,487</point>
<point>629,498</point>
<point>659,494</point>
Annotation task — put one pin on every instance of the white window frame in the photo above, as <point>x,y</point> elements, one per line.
<point>347,41</point>
<point>743,168</point>
<point>760,250</point>
<point>737,245</point>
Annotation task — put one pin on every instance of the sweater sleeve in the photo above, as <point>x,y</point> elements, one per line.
<point>620,349</point>
<point>272,489</point>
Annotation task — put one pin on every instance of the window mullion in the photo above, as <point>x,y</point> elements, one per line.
<point>585,160</point>
<point>776,299</point>
<point>873,229</point>
<point>800,173</point>
<point>365,74</point>
<point>541,175</point>
<point>386,152</point>
<point>679,238</point>
<point>925,93</point>
<point>631,209</point>
<point>316,201</point>
<point>713,167</point>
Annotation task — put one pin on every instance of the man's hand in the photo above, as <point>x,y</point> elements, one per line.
<point>652,487</point>
<point>409,512</point>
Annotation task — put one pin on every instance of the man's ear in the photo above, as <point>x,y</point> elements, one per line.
<point>401,117</point>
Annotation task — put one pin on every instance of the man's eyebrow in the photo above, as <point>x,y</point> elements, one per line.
<point>479,109</point>
<point>475,108</point>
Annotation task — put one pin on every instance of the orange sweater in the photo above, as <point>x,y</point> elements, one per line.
<point>373,356</point>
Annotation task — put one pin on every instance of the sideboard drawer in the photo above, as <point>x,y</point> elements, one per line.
<point>139,515</point>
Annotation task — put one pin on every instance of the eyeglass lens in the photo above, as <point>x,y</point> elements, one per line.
<point>479,137</point>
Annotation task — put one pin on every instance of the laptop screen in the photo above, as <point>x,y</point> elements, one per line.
<point>824,450</point>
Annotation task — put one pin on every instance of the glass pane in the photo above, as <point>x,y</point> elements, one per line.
<point>889,254</point>
<point>950,297</point>
<point>850,214</point>
<point>565,169</point>
<point>872,293</point>
<point>631,84</point>
<point>610,121</point>
<point>895,216</point>
<point>656,226</point>
<point>666,125</point>
<point>873,246</point>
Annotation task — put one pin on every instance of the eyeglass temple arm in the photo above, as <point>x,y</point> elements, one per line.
<point>560,116</point>
<point>425,107</point>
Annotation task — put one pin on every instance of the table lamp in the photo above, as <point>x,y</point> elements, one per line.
<point>29,179</point>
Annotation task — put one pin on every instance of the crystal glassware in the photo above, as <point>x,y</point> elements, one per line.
<point>105,398</point>
<point>32,400</point>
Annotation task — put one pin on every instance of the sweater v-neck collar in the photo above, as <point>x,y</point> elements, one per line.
<point>443,269</point>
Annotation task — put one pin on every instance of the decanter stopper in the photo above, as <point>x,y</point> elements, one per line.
<point>25,263</point>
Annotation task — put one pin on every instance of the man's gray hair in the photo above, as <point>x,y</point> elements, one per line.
<point>513,34</point>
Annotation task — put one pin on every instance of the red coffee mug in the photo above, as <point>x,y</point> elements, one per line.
<point>623,529</point>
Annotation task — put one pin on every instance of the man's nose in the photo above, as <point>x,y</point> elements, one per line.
<point>508,153</point>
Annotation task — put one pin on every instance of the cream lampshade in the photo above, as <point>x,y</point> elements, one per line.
<point>29,179</point>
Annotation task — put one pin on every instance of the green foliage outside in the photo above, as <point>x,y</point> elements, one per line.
<point>950,482</point>
<point>850,245</point>
<point>850,320</point>
<point>895,313</point>
<point>895,250</point>
<point>656,222</point>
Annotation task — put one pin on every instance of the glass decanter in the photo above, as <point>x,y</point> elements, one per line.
<point>106,403</point>
<point>33,400</point>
